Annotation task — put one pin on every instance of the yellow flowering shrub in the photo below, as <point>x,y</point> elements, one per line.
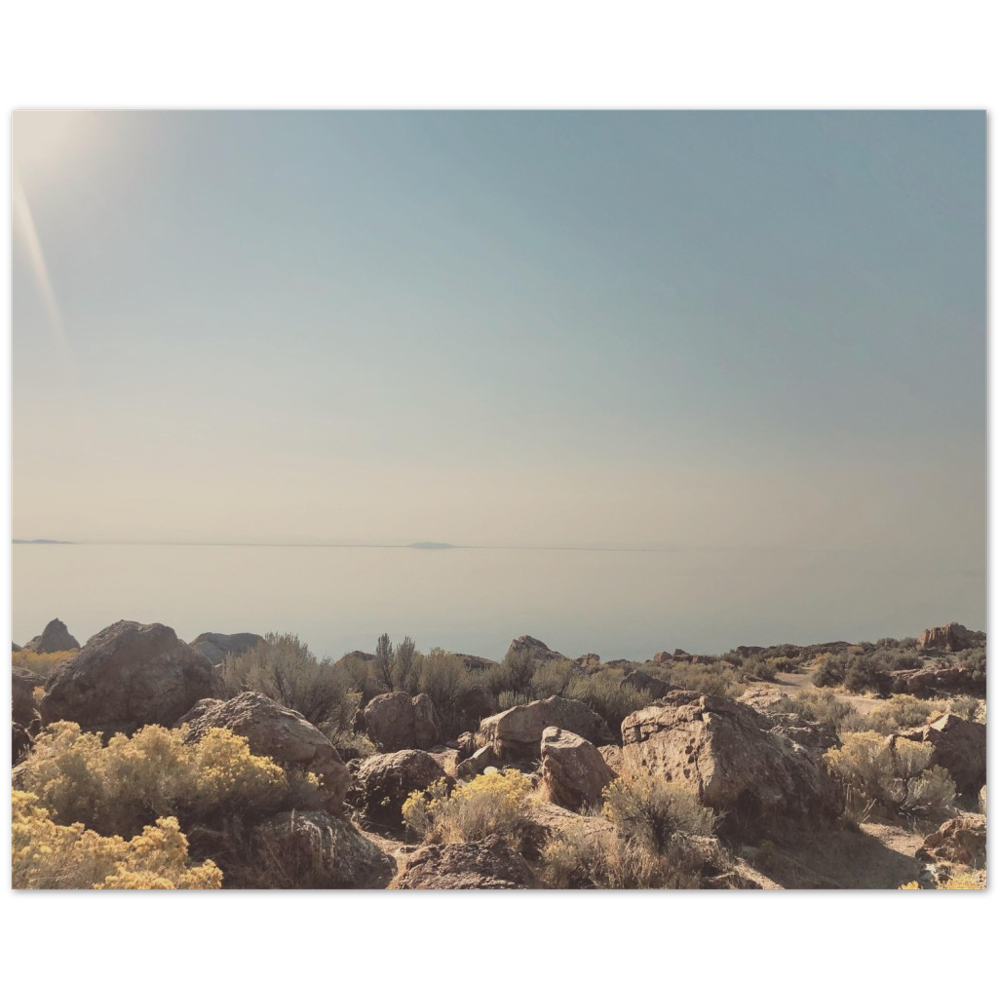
<point>122,787</point>
<point>46,855</point>
<point>890,776</point>
<point>490,804</point>
<point>42,663</point>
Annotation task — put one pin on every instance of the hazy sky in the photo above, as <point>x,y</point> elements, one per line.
<point>700,328</point>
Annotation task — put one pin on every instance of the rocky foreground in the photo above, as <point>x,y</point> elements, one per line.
<point>141,760</point>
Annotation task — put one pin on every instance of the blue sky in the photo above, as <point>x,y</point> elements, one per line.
<point>645,328</point>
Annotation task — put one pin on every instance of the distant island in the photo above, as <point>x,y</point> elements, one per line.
<point>41,541</point>
<point>431,545</point>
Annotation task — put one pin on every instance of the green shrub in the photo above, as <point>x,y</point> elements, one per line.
<point>46,855</point>
<point>902,711</point>
<point>890,777</point>
<point>609,694</point>
<point>647,810</point>
<point>717,679</point>
<point>128,784</point>
<point>445,679</point>
<point>283,668</point>
<point>823,707</point>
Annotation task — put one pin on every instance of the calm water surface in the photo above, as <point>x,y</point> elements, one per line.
<point>617,604</point>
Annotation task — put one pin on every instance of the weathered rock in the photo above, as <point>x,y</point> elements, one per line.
<point>959,747</point>
<point>395,721</point>
<point>574,774</point>
<point>355,654</point>
<point>23,710</point>
<point>477,663</point>
<point>425,727</point>
<point>613,757</point>
<point>383,782</point>
<point>21,742</point>
<point>216,646</point>
<point>516,734</point>
<point>652,686</point>
<point>127,676</point>
<point>314,850</point>
<point>198,710</point>
<point>939,680</point>
<point>805,732</point>
<point>491,864</point>
<point>474,705</point>
<point>55,638</point>
<point>725,752</point>
<point>483,758</point>
<point>961,840</point>
<point>951,637</point>
<point>535,649</point>
<point>282,734</point>
<point>588,660</point>
<point>662,657</point>
<point>16,647</point>
<point>982,800</point>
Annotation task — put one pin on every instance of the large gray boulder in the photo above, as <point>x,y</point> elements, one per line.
<point>216,646</point>
<point>395,721</point>
<point>959,747</point>
<point>492,864</point>
<point>534,649</point>
<point>280,733</point>
<point>574,774</point>
<point>55,638</point>
<point>726,752</point>
<point>127,676</point>
<point>382,784</point>
<point>516,734</point>
<point>314,850</point>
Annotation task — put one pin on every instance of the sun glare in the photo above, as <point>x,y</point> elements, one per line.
<point>42,140</point>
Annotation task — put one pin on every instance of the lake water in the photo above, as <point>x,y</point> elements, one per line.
<point>617,604</point>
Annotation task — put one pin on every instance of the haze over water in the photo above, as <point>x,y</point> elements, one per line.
<point>754,339</point>
<point>618,604</point>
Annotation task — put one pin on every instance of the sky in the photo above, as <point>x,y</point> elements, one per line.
<point>642,329</point>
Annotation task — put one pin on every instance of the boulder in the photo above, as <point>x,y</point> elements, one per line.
<point>516,734</point>
<point>477,763</point>
<point>613,757</point>
<point>588,660</point>
<point>16,647</point>
<point>216,646</point>
<point>425,727</point>
<point>395,721</point>
<point>939,680</point>
<point>534,649</point>
<point>127,676</point>
<point>574,774</point>
<point>951,637</point>
<point>23,710</point>
<point>652,686</point>
<point>198,710</point>
<point>492,864</point>
<point>21,742</point>
<point>757,780</point>
<point>383,782</point>
<point>314,850</point>
<point>961,840</point>
<point>476,663</point>
<point>55,638</point>
<point>662,657</point>
<point>959,747</point>
<point>281,734</point>
<point>473,705</point>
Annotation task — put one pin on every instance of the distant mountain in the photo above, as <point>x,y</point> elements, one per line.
<point>41,541</point>
<point>431,545</point>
